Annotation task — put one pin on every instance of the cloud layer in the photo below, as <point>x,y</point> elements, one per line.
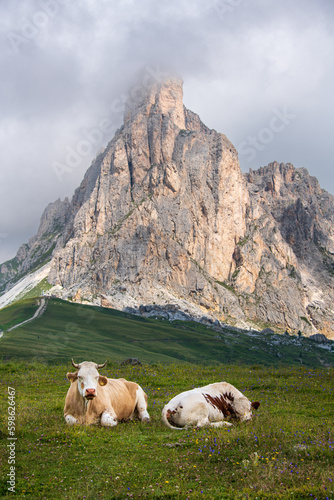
<point>260,72</point>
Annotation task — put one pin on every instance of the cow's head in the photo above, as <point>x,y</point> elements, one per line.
<point>243,408</point>
<point>88,378</point>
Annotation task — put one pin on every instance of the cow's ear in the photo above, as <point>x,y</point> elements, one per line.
<point>72,376</point>
<point>103,380</point>
<point>255,405</point>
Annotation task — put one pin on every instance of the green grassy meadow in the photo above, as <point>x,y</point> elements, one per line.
<point>84,332</point>
<point>286,451</point>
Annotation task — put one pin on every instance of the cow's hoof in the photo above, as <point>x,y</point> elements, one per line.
<point>71,420</point>
<point>144,416</point>
<point>108,421</point>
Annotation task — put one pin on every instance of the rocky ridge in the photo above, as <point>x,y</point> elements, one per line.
<point>165,218</point>
<point>285,264</point>
<point>38,251</point>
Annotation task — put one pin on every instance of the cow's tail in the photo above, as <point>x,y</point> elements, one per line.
<point>164,415</point>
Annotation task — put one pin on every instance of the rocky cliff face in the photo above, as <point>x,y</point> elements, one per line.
<point>164,217</point>
<point>161,219</point>
<point>285,265</point>
<point>39,248</point>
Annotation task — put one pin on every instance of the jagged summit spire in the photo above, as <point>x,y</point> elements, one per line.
<point>162,96</point>
<point>153,117</point>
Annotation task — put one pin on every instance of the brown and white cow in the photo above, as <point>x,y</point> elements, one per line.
<point>207,406</point>
<point>93,398</point>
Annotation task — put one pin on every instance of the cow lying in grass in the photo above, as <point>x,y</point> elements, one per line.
<point>207,406</point>
<point>93,398</point>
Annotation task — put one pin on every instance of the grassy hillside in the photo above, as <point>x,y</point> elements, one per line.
<point>16,313</point>
<point>285,452</point>
<point>70,330</point>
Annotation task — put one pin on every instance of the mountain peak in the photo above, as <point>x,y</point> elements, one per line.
<point>165,217</point>
<point>159,97</point>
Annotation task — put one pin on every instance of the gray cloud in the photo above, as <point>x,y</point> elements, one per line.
<point>65,65</point>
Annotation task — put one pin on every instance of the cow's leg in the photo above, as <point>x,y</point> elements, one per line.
<point>201,422</point>
<point>108,419</point>
<point>71,420</point>
<point>141,406</point>
<point>222,423</point>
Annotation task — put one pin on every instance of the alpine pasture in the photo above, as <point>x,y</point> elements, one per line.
<point>286,451</point>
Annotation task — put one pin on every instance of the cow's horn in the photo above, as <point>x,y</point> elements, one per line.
<point>101,366</point>
<point>75,364</point>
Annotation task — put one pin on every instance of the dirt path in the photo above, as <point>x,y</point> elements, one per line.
<point>41,309</point>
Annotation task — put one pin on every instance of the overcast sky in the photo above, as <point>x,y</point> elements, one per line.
<point>259,71</point>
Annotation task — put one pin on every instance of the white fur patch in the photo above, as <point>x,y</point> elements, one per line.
<point>71,420</point>
<point>107,420</point>
<point>221,424</point>
<point>144,416</point>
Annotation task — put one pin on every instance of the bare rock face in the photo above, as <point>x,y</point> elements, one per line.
<point>284,262</point>
<point>39,248</point>
<point>161,222</point>
<point>164,222</point>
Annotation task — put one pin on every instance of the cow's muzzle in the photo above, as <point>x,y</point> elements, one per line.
<point>90,393</point>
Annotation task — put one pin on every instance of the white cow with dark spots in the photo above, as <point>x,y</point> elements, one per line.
<point>93,398</point>
<point>210,405</point>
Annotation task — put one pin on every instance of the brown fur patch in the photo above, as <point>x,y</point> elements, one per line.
<point>132,387</point>
<point>221,404</point>
<point>170,413</point>
<point>255,404</point>
<point>228,395</point>
<point>169,416</point>
<point>72,376</point>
